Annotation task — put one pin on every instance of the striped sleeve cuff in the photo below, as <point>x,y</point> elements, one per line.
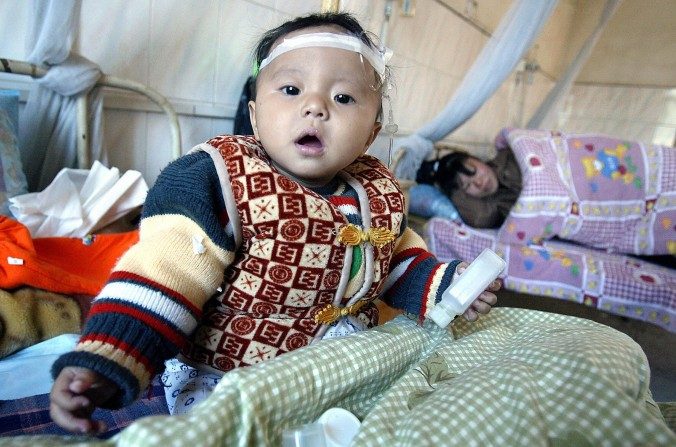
<point>128,386</point>
<point>133,326</point>
<point>417,281</point>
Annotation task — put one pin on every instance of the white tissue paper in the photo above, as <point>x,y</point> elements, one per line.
<point>79,201</point>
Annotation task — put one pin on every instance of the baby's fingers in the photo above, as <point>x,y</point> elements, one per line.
<point>68,401</point>
<point>71,411</point>
<point>76,421</point>
<point>461,267</point>
<point>481,307</point>
<point>495,285</point>
<point>487,297</point>
<point>470,314</point>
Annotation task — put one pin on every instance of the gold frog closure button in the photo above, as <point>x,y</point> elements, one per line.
<point>330,313</point>
<point>351,234</point>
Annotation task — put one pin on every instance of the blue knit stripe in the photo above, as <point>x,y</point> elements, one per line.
<point>137,280</point>
<point>446,280</point>
<point>98,323</point>
<point>179,314</point>
<point>352,193</point>
<point>407,293</point>
<point>189,186</point>
<point>128,329</point>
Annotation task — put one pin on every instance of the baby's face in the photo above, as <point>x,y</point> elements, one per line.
<point>315,110</point>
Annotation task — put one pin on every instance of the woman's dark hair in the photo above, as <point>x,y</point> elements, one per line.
<point>341,19</point>
<point>444,171</point>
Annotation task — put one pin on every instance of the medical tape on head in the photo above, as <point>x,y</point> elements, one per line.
<point>377,59</point>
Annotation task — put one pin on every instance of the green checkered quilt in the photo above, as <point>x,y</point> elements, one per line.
<point>515,377</point>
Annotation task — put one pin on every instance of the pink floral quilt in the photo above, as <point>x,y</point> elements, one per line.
<point>587,201</point>
<point>611,282</point>
<point>593,189</point>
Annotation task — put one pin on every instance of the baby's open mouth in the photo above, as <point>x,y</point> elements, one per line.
<point>310,141</point>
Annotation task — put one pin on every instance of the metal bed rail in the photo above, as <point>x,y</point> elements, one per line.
<point>36,72</point>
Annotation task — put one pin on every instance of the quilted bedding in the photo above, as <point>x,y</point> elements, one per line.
<point>592,189</point>
<point>587,202</point>
<point>620,284</point>
<point>515,377</point>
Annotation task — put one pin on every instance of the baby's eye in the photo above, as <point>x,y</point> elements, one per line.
<point>290,90</point>
<point>343,99</point>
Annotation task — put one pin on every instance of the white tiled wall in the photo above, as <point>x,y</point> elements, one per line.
<point>196,52</point>
<point>645,114</point>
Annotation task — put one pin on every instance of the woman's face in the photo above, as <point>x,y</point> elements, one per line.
<point>482,183</point>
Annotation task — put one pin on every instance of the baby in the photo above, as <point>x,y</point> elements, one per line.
<point>251,247</point>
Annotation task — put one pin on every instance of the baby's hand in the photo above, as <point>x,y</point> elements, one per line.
<point>75,395</point>
<point>483,303</point>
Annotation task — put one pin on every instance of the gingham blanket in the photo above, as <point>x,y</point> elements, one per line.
<point>515,377</point>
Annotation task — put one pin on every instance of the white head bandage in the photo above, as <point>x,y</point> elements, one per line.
<point>378,59</point>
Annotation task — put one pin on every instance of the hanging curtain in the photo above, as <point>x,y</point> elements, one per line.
<point>497,60</point>
<point>48,130</point>
<point>549,106</point>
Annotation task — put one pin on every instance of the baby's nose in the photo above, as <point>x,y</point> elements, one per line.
<point>315,107</point>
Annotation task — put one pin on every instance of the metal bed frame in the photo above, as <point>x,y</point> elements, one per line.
<point>83,152</point>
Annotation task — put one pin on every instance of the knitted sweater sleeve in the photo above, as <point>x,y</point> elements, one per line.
<point>416,279</point>
<point>154,296</point>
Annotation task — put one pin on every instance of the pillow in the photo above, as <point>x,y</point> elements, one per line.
<point>428,201</point>
<point>12,178</point>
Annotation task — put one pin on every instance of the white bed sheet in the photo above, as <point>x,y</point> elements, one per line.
<point>27,372</point>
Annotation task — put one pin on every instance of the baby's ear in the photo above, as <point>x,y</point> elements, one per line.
<point>374,133</point>
<point>252,118</point>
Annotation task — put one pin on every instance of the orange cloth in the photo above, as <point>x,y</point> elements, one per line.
<point>58,264</point>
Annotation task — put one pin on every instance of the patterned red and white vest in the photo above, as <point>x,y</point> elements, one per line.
<point>290,262</point>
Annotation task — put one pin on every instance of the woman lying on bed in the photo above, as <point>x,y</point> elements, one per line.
<point>595,190</point>
<point>482,192</point>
